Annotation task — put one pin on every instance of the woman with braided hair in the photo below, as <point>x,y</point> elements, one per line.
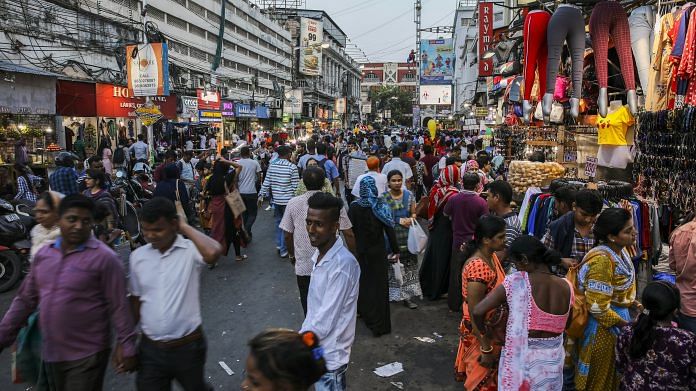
<point>651,353</point>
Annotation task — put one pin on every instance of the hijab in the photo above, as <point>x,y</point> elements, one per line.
<point>444,188</point>
<point>471,165</point>
<point>369,198</point>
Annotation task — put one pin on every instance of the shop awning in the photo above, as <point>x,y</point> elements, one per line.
<point>9,67</point>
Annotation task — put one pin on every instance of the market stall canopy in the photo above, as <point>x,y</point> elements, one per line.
<point>33,90</point>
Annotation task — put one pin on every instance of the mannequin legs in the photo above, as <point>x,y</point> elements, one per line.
<point>566,24</point>
<point>535,55</point>
<point>609,20</point>
<point>642,34</point>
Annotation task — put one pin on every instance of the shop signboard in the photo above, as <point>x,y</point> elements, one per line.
<point>340,105</point>
<point>436,95</point>
<point>311,38</point>
<point>293,102</point>
<point>209,116</point>
<point>366,108</point>
<point>148,69</point>
<point>208,100</point>
<point>116,102</point>
<point>227,108</point>
<point>148,115</point>
<point>485,43</point>
<point>437,61</point>
<point>244,110</point>
<point>189,106</point>
<point>591,167</point>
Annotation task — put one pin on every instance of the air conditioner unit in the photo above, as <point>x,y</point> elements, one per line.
<point>225,91</point>
<point>201,82</point>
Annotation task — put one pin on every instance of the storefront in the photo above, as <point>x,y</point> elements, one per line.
<point>27,114</point>
<point>76,115</point>
<point>251,119</point>
<point>229,135</point>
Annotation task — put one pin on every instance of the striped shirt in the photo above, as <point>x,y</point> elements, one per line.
<point>513,228</point>
<point>281,181</point>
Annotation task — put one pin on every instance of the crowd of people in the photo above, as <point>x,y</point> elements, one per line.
<point>560,312</point>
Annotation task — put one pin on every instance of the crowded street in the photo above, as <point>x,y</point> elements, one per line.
<point>332,195</point>
<point>239,299</point>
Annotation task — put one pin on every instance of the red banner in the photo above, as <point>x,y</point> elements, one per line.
<point>116,101</point>
<point>485,17</point>
<point>208,100</point>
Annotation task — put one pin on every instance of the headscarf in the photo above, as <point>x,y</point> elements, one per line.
<point>443,189</point>
<point>369,198</point>
<point>471,165</point>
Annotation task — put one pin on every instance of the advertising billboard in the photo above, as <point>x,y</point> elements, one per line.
<point>208,100</point>
<point>340,105</point>
<point>293,102</point>
<point>311,37</point>
<point>437,61</point>
<point>148,69</point>
<point>485,37</point>
<point>436,95</point>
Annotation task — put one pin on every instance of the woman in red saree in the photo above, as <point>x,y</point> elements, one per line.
<point>477,358</point>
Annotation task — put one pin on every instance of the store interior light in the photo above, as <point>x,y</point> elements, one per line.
<point>21,126</point>
<point>49,130</point>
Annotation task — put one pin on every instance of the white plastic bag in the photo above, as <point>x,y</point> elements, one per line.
<point>417,239</point>
<point>398,272</point>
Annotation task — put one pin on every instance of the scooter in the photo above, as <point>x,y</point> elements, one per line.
<point>15,243</point>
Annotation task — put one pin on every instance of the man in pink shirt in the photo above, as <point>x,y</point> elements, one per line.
<point>682,259</point>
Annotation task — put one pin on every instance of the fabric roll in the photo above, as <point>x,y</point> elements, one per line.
<point>566,24</point>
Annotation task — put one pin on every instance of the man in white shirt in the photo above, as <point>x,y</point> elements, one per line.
<point>189,144</point>
<point>294,226</point>
<point>165,285</point>
<point>212,142</point>
<point>203,144</point>
<point>140,149</point>
<point>380,179</point>
<point>248,177</point>
<point>397,164</point>
<point>187,170</point>
<point>332,301</point>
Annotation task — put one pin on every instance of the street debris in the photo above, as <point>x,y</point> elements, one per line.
<point>398,384</point>
<point>437,335</point>
<point>389,369</point>
<point>425,339</point>
<point>226,368</point>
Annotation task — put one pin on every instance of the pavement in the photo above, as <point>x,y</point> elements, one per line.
<point>240,299</point>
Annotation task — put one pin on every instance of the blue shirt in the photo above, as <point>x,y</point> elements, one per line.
<point>64,180</point>
<point>329,167</point>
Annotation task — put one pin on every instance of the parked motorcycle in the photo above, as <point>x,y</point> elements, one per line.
<point>15,243</point>
<point>130,196</point>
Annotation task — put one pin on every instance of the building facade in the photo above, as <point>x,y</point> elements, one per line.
<point>383,74</point>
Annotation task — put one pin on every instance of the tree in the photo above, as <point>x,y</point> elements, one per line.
<point>397,100</point>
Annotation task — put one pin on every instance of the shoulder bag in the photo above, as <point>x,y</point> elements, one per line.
<point>234,201</point>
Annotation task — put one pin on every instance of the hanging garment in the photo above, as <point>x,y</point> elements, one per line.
<point>675,56</point>
<point>535,50</point>
<point>658,92</point>
<point>566,24</point>
<point>609,20</point>
<point>612,129</point>
<point>686,72</point>
<point>642,25</point>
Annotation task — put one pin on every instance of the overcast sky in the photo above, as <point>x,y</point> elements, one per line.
<point>384,29</point>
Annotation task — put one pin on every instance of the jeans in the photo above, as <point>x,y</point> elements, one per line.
<point>641,22</point>
<point>687,323</point>
<point>332,380</point>
<point>566,24</point>
<point>159,366</point>
<point>569,379</point>
<point>252,210</point>
<point>86,374</point>
<point>280,236</point>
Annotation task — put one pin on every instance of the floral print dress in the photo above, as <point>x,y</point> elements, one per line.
<point>669,364</point>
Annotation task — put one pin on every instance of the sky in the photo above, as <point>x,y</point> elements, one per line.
<point>384,29</point>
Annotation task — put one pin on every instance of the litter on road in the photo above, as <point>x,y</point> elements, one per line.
<point>389,369</point>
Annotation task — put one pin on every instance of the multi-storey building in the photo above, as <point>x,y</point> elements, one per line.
<point>379,74</point>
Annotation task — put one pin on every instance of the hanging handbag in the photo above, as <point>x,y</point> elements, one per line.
<point>539,113</point>
<point>422,207</point>
<point>234,201</point>
<point>179,206</point>
<point>556,113</point>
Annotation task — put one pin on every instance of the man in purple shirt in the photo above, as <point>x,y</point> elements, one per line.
<point>79,287</point>
<point>464,209</point>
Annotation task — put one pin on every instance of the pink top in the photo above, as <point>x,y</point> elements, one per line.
<point>540,320</point>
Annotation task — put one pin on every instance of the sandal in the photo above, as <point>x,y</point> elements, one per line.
<point>242,258</point>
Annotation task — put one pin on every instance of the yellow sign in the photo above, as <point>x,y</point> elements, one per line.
<point>148,115</point>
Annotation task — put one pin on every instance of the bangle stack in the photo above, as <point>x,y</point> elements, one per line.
<point>486,351</point>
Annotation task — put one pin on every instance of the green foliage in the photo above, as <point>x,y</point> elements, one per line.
<point>393,98</point>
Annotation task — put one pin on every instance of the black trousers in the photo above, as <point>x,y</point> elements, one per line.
<point>349,196</point>
<point>303,285</point>
<point>159,366</point>
<point>252,210</point>
<point>86,374</point>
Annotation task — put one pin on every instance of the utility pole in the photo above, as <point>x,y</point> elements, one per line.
<point>148,100</point>
<point>417,20</point>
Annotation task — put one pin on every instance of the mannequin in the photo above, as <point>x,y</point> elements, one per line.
<point>535,55</point>
<point>566,24</point>
<point>609,19</point>
<point>615,149</point>
<point>642,23</point>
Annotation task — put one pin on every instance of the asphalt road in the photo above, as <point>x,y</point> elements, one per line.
<point>240,299</point>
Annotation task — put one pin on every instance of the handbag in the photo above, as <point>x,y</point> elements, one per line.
<point>560,88</point>
<point>422,207</point>
<point>539,112</point>
<point>417,239</point>
<point>496,324</point>
<point>556,113</point>
<point>179,206</point>
<point>580,315</point>
<point>234,201</point>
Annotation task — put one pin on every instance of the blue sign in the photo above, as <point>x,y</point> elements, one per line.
<point>437,61</point>
<point>243,110</point>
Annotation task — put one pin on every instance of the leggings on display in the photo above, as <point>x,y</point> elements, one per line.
<point>642,22</point>
<point>566,24</point>
<point>609,20</point>
<point>535,51</point>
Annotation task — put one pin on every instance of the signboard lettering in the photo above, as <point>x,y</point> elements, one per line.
<point>311,38</point>
<point>147,69</point>
<point>485,37</point>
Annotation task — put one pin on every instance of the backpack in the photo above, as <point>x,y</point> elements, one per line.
<point>322,164</point>
<point>119,156</point>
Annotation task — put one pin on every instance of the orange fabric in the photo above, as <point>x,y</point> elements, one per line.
<point>467,368</point>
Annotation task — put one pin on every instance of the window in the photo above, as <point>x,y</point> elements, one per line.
<point>178,47</point>
<point>176,22</point>
<point>196,9</point>
<point>199,54</point>
<point>155,13</point>
<point>212,16</point>
<point>196,30</point>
